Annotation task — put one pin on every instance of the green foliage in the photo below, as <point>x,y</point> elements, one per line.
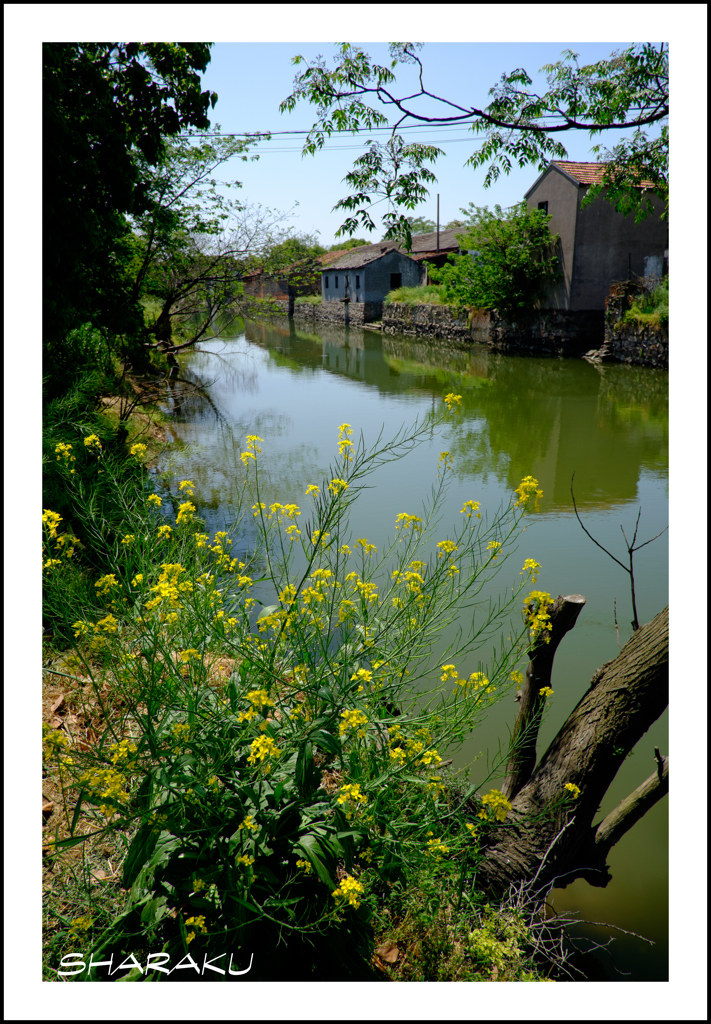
<point>628,90</point>
<point>269,744</point>
<point>104,105</point>
<point>350,243</point>
<point>650,307</point>
<point>415,296</point>
<point>511,260</point>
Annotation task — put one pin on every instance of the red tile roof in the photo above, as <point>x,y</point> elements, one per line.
<point>587,173</point>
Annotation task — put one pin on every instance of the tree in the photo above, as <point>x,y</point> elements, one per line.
<point>104,106</point>
<point>350,243</point>
<point>628,90</point>
<point>551,838</point>
<point>421,225</point>
<point>191,243</point>
<point>511,258</point>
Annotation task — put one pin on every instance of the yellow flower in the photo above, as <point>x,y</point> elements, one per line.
<point>528,492</point>
<point>155,499</point>
<point>469,508</point>
<point>305,866</point>
<point>449,672</point>
<point>368,548</point>
<point>349,891</point>
<point>80,926</point>
<point>186,485</point>
<point>536,614</point>
<point>532,567</point>
<point>138,451</point>
<point>106,584</point>
<point>186,511</point>
<point>51,520</point>
<point>128,539</point>
<point>354,719</point>
<point>351,791</point>
<point>572,788</point>
<point>545,691</point>
<point>497,803</point>
<point>337,485</point>
<point>451,400</point>
<point>262,748</point>
<point>405,521</point>
<point>494,546</point>
<point>164,531</point>
<point>313,489</point>
<point>93,443</point>
<point>248,824</point>
<point>447,547</point>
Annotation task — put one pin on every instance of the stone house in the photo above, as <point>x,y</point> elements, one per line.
<point>599,246</point>
<point>362,277</point>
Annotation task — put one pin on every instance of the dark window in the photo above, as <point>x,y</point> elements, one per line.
<point>326,282</point>
<point>357,280</point>
<point>543,206</point>
<point>395,281</point>
<point>336,279</point>
<point>346,280</point>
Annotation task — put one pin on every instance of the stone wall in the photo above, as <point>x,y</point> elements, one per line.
<point>641,344</point>
<point>435,321</point>
<point>554,332</point>
<point>335,312</point>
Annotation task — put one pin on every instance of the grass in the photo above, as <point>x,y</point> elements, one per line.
<point>308,300</point>
<point>650,308</point>
<point>422,294</point>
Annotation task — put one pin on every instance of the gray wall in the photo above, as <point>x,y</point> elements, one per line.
<point>562,197</point>
<point>598,245</point>
<point>374,278</point>
<point>608,247</point>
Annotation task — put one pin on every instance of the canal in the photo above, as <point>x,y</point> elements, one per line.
<point>548,418</point>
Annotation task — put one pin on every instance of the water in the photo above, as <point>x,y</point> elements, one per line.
<point>545,417</point>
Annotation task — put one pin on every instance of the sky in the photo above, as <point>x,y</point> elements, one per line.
<point>251,80</point>
<point>251,76</point>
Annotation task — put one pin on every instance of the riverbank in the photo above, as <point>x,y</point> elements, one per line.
<point>599,335</point>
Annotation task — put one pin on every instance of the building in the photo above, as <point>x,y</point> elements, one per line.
<point>362,277</point>
<point>599,246</point>
<point>259,284</point>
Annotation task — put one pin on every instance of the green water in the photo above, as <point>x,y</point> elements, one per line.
<point>545,417</point>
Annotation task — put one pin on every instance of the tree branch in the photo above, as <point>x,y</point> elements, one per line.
<point>633,807</point>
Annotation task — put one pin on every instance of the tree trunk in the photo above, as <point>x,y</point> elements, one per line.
<point>549,835</point>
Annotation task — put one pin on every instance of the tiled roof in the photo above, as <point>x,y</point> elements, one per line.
<point>587,173</point>
<point>422,245</point>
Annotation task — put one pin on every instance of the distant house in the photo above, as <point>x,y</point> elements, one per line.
<point>260,284</point>
<point>366,274</point>
<point>599,246</point>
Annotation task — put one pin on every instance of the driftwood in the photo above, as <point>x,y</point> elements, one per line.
<point>549,835</point>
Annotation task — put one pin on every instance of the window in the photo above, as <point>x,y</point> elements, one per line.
<point>326,284</point>
<point>543,206</point>
<point>357,280</point>
<point>395,281</point>
<point>336,280</point>
<point>346,280</point>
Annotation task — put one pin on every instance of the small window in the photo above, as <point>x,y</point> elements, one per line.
<point>336,280</point>
<point>326,285</point>
<point>346,280</point>
<point>357,280</point>
<point>543,206</point>
<point>395,281</point>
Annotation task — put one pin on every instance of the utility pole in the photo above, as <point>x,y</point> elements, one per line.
<point>438,222</point>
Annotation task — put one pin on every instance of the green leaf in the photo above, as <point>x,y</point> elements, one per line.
<point>141,848</point>
<point>312,850</point>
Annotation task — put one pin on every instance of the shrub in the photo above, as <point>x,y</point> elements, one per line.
<point>273,727</point>
<point>426,293</point>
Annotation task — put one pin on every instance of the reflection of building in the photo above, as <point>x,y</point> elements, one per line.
<point>599,246</point>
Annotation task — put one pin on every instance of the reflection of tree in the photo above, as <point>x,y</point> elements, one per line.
<point>521,415</point>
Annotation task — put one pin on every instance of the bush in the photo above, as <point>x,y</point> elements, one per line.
<point>651,306</point>
<point>272,728</point>
<point>426,293</point>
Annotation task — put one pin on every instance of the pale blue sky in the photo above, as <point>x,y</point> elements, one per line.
<point>251,79</point>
